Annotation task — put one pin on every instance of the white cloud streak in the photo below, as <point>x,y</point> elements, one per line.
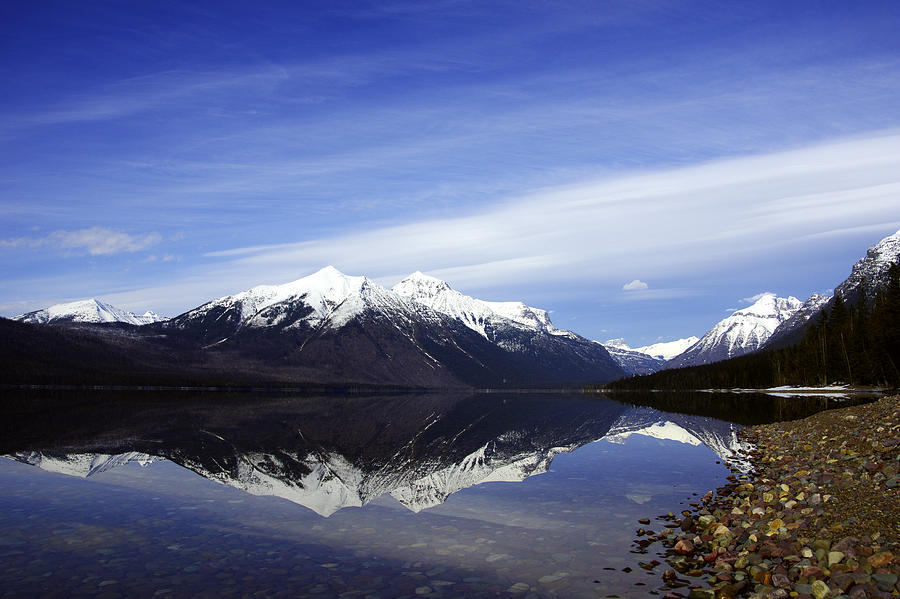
<point>661,223</point>
<point>96,241</point>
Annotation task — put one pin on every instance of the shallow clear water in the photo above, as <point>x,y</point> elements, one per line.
<point>589,469</point>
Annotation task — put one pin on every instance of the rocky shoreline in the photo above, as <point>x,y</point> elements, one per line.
<point>817,516</point>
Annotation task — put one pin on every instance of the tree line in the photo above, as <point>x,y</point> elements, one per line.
<point>857,344</point>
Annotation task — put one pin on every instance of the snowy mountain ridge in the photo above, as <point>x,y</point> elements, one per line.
<point>478,315</point>
<point>334,299</point>
<point>89,310</point>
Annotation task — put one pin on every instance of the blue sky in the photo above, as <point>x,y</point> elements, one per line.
<point>157,155</point>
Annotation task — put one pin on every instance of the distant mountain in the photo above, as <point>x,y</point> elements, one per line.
<point>666,350</point>
<point>421,332</point>
<point>90,310</point>
<point>744,331</point>
<point>633,362</point>
<point>867,275</point>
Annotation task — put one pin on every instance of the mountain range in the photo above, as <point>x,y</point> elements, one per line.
<point>330,328</point>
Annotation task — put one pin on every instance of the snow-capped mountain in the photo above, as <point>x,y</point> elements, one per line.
<point>89,310</point>
<point>744,331</point>
<point>633,362</point>
<point>422,331</point>
<point>666,350</point>
<point>481,316</point>
<point>868,274</point>
<point>512,326</point>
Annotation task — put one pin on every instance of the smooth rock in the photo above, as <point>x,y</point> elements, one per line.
<point>885,582</point>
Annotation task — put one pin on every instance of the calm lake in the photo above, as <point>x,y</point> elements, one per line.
<point>111,494</point>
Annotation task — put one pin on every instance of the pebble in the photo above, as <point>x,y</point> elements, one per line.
<point>549,578</point>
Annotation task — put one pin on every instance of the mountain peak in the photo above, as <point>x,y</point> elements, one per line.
<point>620,343</point>
<point>770,305</point>
<point>418,285</point>
<point>742,332</point>
<point>87,310</point>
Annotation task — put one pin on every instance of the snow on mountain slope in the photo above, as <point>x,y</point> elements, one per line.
<point>476,314</point>
<point>520,330</point>
<point>742,332</point>
<point>666,350</point>
<point>786,332</point>
<point>82,465</point>
<point>633,362</point>
<point>870,271</point>
<point>326,298</point>
<point>90,310</point>
<point>323,291</point>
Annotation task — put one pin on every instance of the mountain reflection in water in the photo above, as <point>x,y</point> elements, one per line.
<point>161,530</point>
<point>327,453</point>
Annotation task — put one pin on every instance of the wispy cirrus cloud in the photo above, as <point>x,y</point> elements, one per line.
<point>663,223</point>
<point>96,241</point>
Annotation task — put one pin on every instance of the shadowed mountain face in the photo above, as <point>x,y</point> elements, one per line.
<point>327,453</point>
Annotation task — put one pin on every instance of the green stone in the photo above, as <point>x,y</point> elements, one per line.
<point>820,590</point>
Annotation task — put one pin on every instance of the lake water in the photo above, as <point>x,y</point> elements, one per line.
<point>210,495</point>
